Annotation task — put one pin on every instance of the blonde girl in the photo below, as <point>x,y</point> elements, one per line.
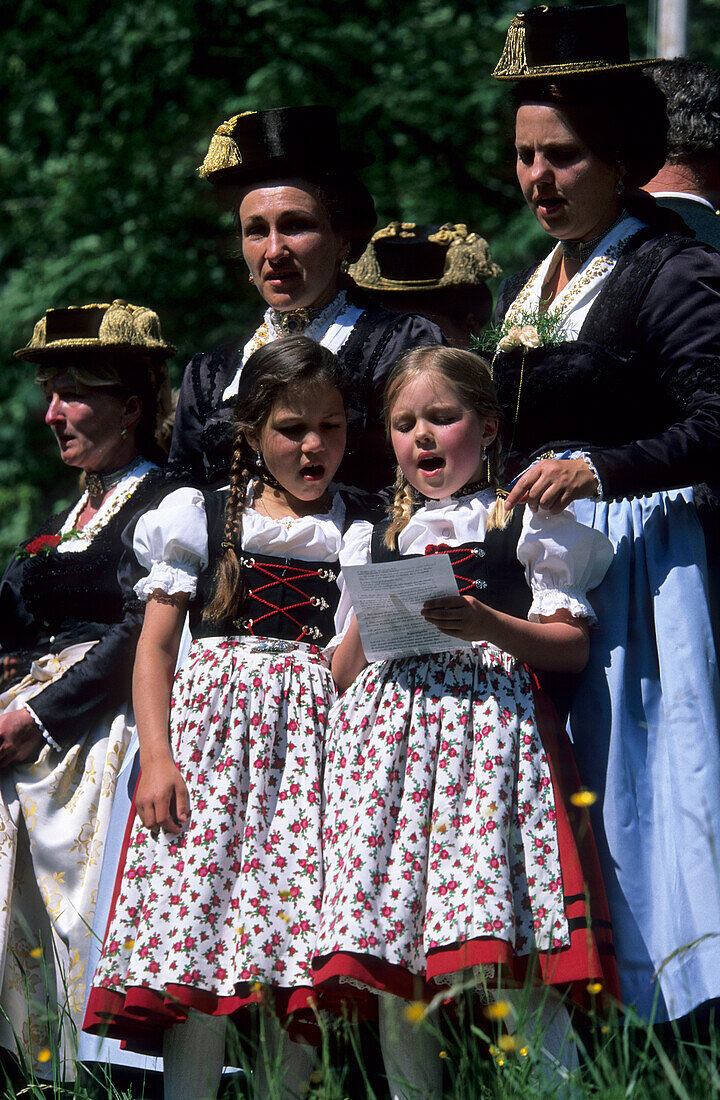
<point>447,847</point>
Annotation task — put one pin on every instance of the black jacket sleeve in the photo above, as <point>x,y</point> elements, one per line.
<point>185,454</point>
<point>678,332</point>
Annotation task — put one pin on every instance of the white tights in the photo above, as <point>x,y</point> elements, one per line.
<point>194,1053</point>
<point>282,1068</point>
<point>193,1056</point>
<point>542,1018</point>
<point>411,1053</point>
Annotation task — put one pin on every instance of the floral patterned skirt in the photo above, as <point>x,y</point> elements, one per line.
<point>446,843</point>
<point>207,918</point>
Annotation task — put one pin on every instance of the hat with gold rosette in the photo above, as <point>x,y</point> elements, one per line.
<point>567,41</point>
<point>408,257</point>
<point>110,328</point>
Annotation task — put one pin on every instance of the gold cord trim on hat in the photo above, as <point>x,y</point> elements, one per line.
<point>123,327</point>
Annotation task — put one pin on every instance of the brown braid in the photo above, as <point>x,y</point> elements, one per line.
<point>268,375</point>
<point>229,591</point>
<point>498,517</point>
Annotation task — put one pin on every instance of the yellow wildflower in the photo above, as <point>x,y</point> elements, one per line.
<point>583,798</point>
<point>129,943</point>
<point>594,988</point>
<point>36,953</point>
<point>507,1043</point>
<point>415,1012</point>
<point>44,1055</point>
<point>498,1010</point>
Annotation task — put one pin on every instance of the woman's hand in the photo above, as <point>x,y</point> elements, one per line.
<point>162,799</point>
<point>20,738</point>
<point>552,484</point>
<point>460,616</point>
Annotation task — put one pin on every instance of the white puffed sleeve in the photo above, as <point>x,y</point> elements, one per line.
<point>171,542</point>
<point>355,550</point>
<point>563,561</point>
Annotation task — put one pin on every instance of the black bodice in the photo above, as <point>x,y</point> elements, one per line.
<point>288,598</point>
<point>51,601</point>
<point>640,388</point>
<point>488,570</point>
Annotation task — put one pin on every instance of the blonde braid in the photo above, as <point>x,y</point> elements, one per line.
<point>229,590</point>
<point>401,509</point>
<point>498,517</point>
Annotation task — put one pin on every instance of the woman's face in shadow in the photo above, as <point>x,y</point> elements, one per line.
<point>289,245</point>
<point>571,192</point>
<point>88,423</point>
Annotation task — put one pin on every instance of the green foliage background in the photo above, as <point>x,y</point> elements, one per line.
<point>109,110</point>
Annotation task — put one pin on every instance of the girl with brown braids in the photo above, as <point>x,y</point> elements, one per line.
<point>223,875</point>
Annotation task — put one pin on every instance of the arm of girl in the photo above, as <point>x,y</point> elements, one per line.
<point>558,642</point>
<point>162,798</point>
<point>349,658</point>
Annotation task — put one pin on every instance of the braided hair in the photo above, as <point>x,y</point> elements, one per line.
<point>470,377</point>
<point>270,372</point>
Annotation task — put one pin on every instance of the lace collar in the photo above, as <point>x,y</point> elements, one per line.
<point>331,328</point>
<point>82,538</point>
<point>575,299</point>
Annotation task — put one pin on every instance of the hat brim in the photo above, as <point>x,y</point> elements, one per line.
<point>415,284</point>
<point>576,68</point>
<point>60,348</point>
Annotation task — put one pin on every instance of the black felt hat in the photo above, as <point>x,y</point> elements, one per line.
<point>543,42</point>
<point>404,256</point>
<point>286,141</point>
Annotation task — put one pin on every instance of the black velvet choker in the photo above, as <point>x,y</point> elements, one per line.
<point>579,252</point>
<point>99,484</point>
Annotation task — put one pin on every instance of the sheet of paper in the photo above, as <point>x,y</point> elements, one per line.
<point>388,596</point>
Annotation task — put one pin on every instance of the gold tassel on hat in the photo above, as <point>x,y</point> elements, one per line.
<point>366,271</point>
<point>513,61</point>
<point>468,256</point>
<point>223,151</point>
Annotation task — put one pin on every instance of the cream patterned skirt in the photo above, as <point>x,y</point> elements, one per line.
<point>442,846</point>
<point>54,814</point>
